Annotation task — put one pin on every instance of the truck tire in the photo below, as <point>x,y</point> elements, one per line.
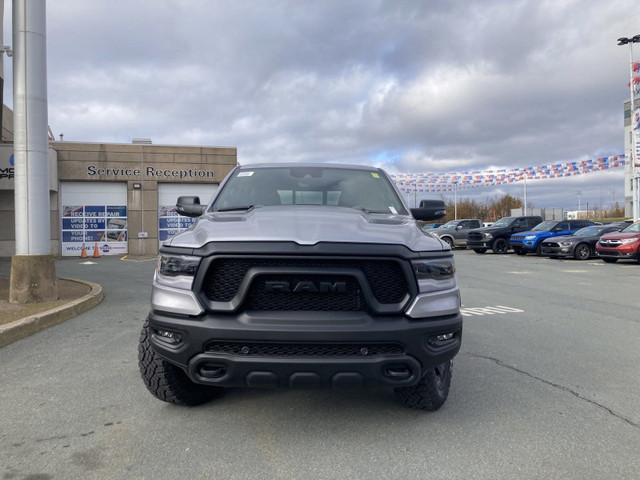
<point>166,381</point>
<point>431,391</point>
<point>448,241</point>
<point>500,245</point>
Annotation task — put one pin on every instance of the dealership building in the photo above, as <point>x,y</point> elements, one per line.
<point>118,198</point>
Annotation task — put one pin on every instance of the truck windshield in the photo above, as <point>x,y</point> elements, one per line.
<point>450,225</point>
<point>504,222</point>
<point>368,190</point>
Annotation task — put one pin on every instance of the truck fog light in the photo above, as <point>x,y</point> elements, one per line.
<point>442,339</point>
<point>169,336</point>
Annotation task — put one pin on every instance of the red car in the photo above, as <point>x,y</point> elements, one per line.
<point>620,245</point>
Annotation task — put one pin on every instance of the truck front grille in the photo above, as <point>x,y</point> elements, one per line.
<point>474,237</point>
<point>305,349</point>
<point>349,300</point>
<point>385,278</point>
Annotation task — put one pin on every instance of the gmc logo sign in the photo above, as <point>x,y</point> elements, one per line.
<point>305,287</point>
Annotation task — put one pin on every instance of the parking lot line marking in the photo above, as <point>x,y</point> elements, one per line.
<point>480,311</point>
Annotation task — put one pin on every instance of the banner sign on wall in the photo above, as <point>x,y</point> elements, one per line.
<point>104,226</point>
<point>170,222</point>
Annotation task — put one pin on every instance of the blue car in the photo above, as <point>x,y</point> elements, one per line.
<point>531,241</point>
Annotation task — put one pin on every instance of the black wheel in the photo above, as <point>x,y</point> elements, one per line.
<point>610,260</point>
<point>539,249</point>
<point>166,381</point>
<point>582,252</point>
<point>479,250</point>
<point>500,245</point>
<point>432,390</point>
<point>448,241</point>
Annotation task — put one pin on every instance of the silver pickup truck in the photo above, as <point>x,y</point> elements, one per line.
<point>299,275</point>
<point>455,232</point>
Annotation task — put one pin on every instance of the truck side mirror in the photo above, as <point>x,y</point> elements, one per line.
<point>189,206</point>
<point>429,210</point>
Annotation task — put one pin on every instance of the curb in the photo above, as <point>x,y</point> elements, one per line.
<point>24,327</point>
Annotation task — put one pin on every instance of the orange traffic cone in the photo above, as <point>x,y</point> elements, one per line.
<point>84,252</point>
<point>96,253</point>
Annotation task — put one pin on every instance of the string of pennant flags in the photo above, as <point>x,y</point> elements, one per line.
<point>450,181</point>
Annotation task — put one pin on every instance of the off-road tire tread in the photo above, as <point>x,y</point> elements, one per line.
<point>426,395</point>
<point>166,381</point>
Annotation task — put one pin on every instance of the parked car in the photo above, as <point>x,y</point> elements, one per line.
<point>531,241</point>
<point>496,237</point>
<point>581,244</point>
<point>620,245</point>
<point>455,232</point>
<point>431,226</point>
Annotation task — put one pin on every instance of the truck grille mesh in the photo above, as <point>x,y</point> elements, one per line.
<point>305,349</point>
<point>474,236</point>
<point>385,277</point>
<point>349,300</point>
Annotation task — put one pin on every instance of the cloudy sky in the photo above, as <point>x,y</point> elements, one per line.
<point>412,86</point>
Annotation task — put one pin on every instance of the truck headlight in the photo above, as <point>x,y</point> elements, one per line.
<point>530,237</point>
<point>435,274</point>
<point>487,236</point>
<point>177,271</point>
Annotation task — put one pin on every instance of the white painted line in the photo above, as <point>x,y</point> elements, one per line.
<point>480,311</point>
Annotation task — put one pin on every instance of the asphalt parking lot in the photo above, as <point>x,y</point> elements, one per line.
<point>546,386</point>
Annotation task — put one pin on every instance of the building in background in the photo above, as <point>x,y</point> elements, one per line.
<point>119,198</point>
<point>629,169</point>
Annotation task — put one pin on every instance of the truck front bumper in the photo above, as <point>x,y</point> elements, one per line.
<point>255,349</point>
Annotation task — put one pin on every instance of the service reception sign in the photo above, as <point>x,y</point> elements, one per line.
<point>88,226</point>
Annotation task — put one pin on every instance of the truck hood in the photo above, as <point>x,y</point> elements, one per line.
<point>306,225</point>
<point>488,229</point>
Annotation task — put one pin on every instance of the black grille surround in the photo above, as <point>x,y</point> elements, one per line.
<point>367,284</point>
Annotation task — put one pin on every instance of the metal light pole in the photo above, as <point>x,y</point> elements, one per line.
<point>32,267</point>
<point>524,210</point>
<point>634,172</point>
<point>455,201</point>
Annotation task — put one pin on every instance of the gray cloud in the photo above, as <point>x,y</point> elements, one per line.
<point>412,86</point>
